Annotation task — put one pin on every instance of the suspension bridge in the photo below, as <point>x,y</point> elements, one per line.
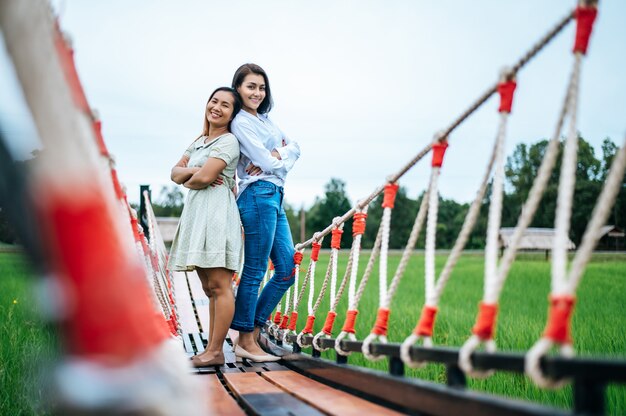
<point>129,323</point>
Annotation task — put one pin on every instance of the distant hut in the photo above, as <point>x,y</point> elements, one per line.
<point>167,226</point>
<point>533,239</point>
<point>612,238</point>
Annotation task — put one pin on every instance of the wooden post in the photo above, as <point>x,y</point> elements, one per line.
<point>143,218</point>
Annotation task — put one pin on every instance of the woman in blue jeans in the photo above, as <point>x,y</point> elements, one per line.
<point>267,155</point>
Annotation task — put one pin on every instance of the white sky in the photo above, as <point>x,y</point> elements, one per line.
<point>361,85</point>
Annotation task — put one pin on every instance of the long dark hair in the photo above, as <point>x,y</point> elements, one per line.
<point>240,74</point>
<point>236,107</point>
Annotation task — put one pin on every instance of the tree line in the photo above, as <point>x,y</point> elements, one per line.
<point>521,169</point>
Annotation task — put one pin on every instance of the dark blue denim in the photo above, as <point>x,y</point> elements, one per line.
<point>267,235</point>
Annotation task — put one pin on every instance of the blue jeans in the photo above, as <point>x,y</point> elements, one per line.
<point>267,235</point>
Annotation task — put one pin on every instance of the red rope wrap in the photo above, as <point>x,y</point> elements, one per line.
<point>315,251</point>
<point>330,321</point>
<point>293,321</point>
<point>585,16</point>
<point>391,189</point>
<point>277,316</point>
<point>358,226</point>
<point>486,321</point>
<point>439,149</point>
<point>348,325</point>
<point>506,90</point>
<point>105,323</point>
<point>335,242</point>
<point>285,321</point>
<point>297,258</point>
<point>271,265</point>
<point>380,327</point>
<point>97,127</point>
<point>558,327</point>
<point>426,323</point>
<point>308,328</point>
<point>119,192</point>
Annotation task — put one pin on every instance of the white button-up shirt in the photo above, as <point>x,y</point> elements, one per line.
<point>258,136</point>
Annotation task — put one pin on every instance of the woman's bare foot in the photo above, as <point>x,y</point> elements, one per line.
<point>247,341</point>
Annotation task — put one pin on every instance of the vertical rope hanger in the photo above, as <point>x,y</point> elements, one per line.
<point>484,328</point>
<point>293,319</point>
<point>353,304</point>
<point>331,274</point>
<point>425,326</point>
<point>310,276</point>
<point>358,228</point>
<point>564,284</point>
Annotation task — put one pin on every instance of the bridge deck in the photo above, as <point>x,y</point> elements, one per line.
<point>255,388</point>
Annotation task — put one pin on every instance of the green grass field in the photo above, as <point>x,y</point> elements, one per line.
<point>26,344</point>
<point>598,323</point>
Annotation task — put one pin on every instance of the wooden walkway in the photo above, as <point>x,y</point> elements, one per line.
<point>256,388</point>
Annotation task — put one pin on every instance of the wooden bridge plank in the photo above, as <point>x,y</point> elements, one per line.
<point>200,299</point>
<point>184,306</point>
<point>220,402</point>
<point>327,399</point>
<point>263,398</point>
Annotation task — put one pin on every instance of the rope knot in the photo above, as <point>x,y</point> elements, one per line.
<point>585,16</point>
<point>315,251</point>
<point>382,318</point>
<point>559,315</point>
<point>486,321</point>
<point>335,242</point>
<point>348,325</point>
<point>297,257</point>
<point>391,189</point>
<point>293,321</point>
<point>308,328</point>
<point>284,322</point>
<point>439,149</point>
<point>358,226</point>
<point>330,321</point>
<point>277,317</point>
<point>427,322</point>
<point>506,90</point>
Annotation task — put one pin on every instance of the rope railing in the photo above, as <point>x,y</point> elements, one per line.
<point>525,59</point>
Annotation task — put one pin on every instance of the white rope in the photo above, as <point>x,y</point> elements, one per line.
<point>567,182</point>
<point>296,299</point>
<point>495,214</point>
<point>355,269</point>
<point>536,191</point>
<point>599,216</point>
<point>491,253</point>
<point>431,233</point>
<point>384,250</point>
<point>312,283</point>
<point>408,250</point>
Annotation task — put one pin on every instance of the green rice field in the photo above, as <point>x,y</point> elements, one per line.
<point>598,323</point>
<point>26,344</point>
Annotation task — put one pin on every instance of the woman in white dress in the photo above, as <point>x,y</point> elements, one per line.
<point>208,239</point>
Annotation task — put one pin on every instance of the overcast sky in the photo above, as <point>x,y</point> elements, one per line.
<point>361,85</point>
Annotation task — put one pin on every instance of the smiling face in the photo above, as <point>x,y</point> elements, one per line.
<point>220,109</point>
<point>252,92</point>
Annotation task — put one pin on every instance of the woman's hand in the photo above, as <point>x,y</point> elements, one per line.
<point>253,170</point>
<point>217,182</point>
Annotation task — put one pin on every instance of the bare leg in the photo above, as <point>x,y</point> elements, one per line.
<point>204,279</point>
<point>219,280</point>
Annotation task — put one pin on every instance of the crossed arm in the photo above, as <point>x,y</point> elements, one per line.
<point>195,177</point>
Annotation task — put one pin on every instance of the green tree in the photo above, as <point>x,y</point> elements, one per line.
<point>170,202</point>
<point>522,168</point>
<point>334,203</point>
